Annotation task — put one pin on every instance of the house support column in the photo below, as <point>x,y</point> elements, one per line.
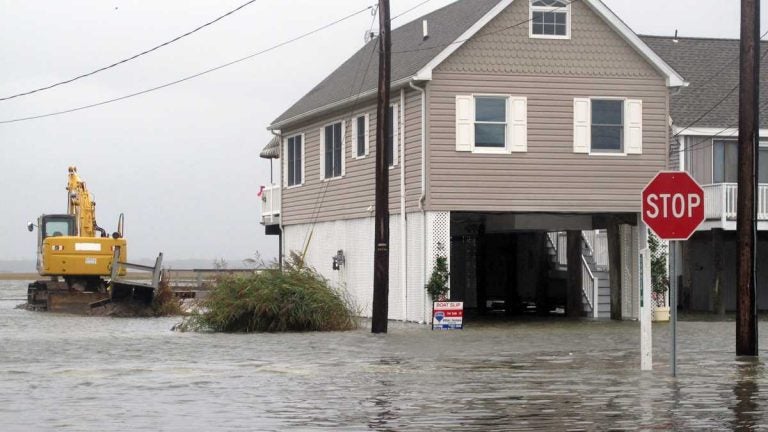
<point>614,267</point>
<point>718,302</point>
<point>574,308</point>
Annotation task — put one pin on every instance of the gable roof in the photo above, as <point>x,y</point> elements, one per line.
<point>711,66</point>
<point>414,57</point>
<point>410,52</point>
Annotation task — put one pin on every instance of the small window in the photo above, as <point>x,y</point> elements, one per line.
<point>333,150</point>
<point>490,122</point>
<point>294,159</point>
<point>550,19</point>
<point>607,125</point>
<point>360,133</point>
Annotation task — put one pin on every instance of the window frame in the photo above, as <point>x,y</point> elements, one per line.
<point>491,150</point>
<point>356,133</point>
<point>342,145</point>
<point>602,152</point>
<point>762,147</point>
<point>303,160</point>
<point>554,9</point>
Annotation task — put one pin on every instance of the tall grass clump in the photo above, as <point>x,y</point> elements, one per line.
<point>296,299</point>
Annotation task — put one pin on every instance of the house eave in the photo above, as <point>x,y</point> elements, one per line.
<point>350,101</point>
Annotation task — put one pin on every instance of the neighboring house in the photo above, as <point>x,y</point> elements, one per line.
<point>512,121</point>
<point>704,130</point>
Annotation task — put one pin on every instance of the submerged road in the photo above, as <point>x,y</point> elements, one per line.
<point>71,373</point>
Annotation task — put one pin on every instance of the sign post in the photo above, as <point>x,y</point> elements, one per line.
<point>673,207</point>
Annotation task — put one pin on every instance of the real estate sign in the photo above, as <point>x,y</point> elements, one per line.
<point>447,315</point>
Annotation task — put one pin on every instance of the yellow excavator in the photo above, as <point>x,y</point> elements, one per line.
<point>84,264</point>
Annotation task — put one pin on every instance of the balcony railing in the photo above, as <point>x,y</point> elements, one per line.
<point>270,205</point>
<point>720,202</point>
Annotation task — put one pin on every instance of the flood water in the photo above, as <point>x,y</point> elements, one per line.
<point>70,373</point>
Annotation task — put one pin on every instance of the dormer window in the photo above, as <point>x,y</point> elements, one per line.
<point>550,19</point>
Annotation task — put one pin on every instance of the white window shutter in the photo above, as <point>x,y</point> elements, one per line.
<point>344,146</point>
<point>322,153</point>
<point>582,127</point>
<point>517,124</point>
<point>633,126</point>
<point>303,159</point>
<point>367,133</point>
<point>353,135</point>
<point>284,163</point>
<point>465,123</point>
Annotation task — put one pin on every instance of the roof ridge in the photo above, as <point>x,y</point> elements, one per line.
<point>690,37</point>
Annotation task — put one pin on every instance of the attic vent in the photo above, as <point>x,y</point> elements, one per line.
<point>425,29</point>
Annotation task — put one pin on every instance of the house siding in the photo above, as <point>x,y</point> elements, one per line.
<point>503,46</point>
<point>549,177</point>
<point>350,197</point>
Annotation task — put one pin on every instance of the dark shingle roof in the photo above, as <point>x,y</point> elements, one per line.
<point>711,66</point>
<point>410,53</point>
<point>272,149</point>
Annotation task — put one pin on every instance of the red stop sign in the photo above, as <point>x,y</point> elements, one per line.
<point>673,205</point>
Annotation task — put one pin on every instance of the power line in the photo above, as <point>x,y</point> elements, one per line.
<point>415,7</point>
<point>723,99</point>
<point>155,48</point>
<point>187,78</point>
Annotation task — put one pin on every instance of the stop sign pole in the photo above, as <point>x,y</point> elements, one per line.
<point>673,208</point>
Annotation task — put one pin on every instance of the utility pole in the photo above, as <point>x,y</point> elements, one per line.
<point>746,216</point>
<point>381,217</point>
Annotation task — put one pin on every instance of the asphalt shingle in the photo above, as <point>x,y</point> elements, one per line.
<point>410,53</point>
<point>711,66</point>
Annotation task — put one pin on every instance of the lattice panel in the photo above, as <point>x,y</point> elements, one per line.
<point>438,240</point>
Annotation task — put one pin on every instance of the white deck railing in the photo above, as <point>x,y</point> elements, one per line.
<point>720,201</point>
<point>597,242</point>
<point>270,205</point>
<point>589,285</point>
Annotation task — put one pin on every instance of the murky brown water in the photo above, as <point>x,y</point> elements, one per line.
<point>72,373</point>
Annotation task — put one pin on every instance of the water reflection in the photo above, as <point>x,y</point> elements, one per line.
<point>501,376</point>
<point>747,409</point>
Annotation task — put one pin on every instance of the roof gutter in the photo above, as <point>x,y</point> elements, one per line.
<point>352,100</point>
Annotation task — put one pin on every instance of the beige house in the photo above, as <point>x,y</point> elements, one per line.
<point>514,122</point>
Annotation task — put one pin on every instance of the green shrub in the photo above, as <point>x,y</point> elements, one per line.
<point>437,287</point>
<point>296,299</point>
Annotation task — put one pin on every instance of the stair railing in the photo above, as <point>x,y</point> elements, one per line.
<point>589,286</point>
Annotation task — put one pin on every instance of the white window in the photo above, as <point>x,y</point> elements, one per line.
<point>294,157</point>
<point>491,124</point>
<point>332,151</point>
<point>360,136</point>
<point>608,126</point>
<point>550,19</point>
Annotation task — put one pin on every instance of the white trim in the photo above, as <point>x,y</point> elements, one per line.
<point>716,132</point>
<point>322,150</point>
<point>567,11</point>
<point>303,160</point>
<point>681,154</point>
<point>395,85</point>
<point>366,135</point>
<point>673,79</point>
<point>425,74</point>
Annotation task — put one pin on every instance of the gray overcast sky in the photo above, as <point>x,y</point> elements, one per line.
<point>182,163</point>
